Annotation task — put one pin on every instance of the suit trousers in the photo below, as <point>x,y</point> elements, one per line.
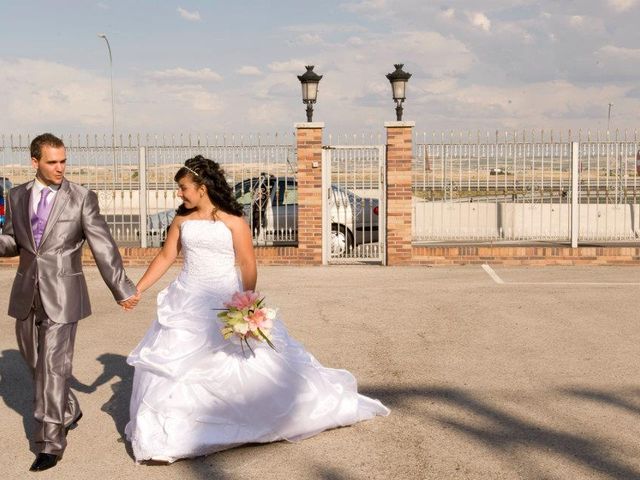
<point>47,347</point>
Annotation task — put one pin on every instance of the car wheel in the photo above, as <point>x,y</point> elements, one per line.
<point>341,240</point>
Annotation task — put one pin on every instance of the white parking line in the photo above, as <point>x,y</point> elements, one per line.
<point>496,278</point>
<point>578,283</point>
<point>492,274</point>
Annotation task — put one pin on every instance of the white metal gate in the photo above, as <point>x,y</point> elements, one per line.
<point>353,204</point>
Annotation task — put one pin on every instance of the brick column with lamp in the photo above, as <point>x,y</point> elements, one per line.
<point>309,179</point>
<point>399,192</point>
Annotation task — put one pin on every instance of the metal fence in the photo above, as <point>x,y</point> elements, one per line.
<point>518,186</point>
<point>354,203</point>
<point>134,179</point>
<point>525,186</point>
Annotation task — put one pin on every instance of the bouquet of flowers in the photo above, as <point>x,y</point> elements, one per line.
<point>245,317</point>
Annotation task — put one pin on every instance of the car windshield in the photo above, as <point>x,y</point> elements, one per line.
<point>352,196</point>
<point>243,191</point>
<point>287,190</point>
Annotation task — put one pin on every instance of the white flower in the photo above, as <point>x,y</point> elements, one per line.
<point>241,328</point>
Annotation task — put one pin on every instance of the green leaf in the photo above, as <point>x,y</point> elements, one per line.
<point>266,339</point>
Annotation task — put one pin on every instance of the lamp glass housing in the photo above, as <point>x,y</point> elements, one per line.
<point>309,91</point>
<point>398,87</point>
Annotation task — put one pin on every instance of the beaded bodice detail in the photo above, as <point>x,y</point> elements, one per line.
<point>208,250</point>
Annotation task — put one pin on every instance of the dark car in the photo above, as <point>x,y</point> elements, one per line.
<point>271,206</point>
<point>5,186</point>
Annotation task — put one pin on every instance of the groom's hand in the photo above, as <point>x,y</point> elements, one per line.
<point>131,302</point>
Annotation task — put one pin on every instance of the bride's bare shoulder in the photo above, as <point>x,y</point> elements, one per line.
<point>233,222</point>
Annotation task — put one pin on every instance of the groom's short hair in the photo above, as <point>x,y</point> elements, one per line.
<point>46,139</point>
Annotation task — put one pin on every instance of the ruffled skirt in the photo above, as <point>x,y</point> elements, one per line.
<point>195,393</point>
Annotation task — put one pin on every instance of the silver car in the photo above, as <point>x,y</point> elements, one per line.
<point>271,206</point>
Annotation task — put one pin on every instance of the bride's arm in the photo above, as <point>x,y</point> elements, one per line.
<point>165,258</point>
<point>245,256</point>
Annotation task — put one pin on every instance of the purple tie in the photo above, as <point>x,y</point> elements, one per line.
<point>39,220</point>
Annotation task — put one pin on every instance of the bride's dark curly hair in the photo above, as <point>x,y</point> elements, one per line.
<point>203,171</point>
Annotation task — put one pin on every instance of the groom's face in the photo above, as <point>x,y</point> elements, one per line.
<point>50,168</point>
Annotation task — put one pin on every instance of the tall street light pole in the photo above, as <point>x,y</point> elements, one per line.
<point>609,116</point>
<point>113,109</point>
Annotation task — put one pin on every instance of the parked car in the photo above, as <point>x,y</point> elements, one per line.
<point>5,186</point>
<point>354,220</point>
<point>271,206</point>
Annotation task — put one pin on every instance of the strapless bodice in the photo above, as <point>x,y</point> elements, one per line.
<point>208,252</point>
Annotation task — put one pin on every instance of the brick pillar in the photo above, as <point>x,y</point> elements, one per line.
<point>309,177</point>
<point>399,194</point>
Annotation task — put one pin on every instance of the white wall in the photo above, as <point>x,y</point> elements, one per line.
<point>521,221</point>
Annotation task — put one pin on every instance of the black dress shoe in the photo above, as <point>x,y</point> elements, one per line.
<point>72,425</point>
<point>44,461</point>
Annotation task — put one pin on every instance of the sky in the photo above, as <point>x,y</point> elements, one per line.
<point>221,67</point>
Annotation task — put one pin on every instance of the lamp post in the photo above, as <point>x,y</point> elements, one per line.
<point>398,81</point>
<point>113,109</point>
<point>309,81</point>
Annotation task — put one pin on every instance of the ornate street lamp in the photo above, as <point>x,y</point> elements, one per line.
<point>398,81</point>
<point>309,81</point>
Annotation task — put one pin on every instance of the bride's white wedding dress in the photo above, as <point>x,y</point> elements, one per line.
<point>195,393</point>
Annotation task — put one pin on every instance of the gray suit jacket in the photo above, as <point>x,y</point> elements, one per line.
<point>56,266</point>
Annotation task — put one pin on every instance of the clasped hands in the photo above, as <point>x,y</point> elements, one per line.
<point>131,302</point>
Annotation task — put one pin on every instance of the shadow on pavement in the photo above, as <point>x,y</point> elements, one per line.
<point>16,389</point>
<point>615,400</point>
<point>115,367</point>
<point>329,473</point>
<point>506,433</point>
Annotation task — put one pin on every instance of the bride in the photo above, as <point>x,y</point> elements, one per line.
<point>195,393</point>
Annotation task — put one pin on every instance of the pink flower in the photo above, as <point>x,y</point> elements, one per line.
<point>256,320</point>
<point>246,319</point>
<point>242,300</point>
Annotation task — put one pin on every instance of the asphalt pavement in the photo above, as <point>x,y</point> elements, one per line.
<point>490,373</point>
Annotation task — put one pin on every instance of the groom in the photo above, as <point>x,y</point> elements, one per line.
<point>47,221</point>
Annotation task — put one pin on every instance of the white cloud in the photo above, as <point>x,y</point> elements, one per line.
<point>102,5</point>
<point>293,65</point>
<point>576,20</point>
<point>449,13</point>
<point>187,15</point>
<point>627,54</point>
<point>199,100</point>
<point>325,28</point>
<point>182,74</point>
<point>622,5</point>
<point>365,6</point>
<point>310,39</point>
<point>79,100</point>
<point>480,20</point>
<point>461,55</point>
<point>249,70</point>
<point>53,90</point>
<point>617,63</point>
<point>548,105</point>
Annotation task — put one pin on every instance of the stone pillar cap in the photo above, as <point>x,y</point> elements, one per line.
<point>399,124</point>
<point>309,125</point>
